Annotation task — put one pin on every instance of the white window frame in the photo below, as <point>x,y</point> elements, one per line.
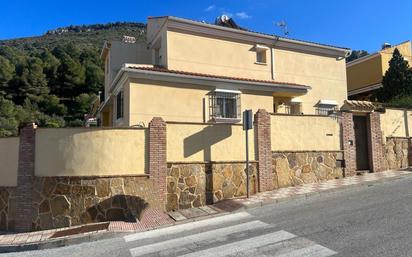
<point>219,101</point>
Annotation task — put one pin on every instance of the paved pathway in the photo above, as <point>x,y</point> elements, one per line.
<point>155,219</point>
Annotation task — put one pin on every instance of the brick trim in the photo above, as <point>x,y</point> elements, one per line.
<point>157,156</point>
<point>375,142</point>
<point>348,135</point>
<point>25,174</point>
<point>264,150</point>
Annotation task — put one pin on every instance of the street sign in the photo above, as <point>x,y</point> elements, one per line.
<point>247,124</point>
<point>247,119</point>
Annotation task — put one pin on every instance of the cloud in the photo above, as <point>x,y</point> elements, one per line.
<point>210,8</point>
<point>243,15</point>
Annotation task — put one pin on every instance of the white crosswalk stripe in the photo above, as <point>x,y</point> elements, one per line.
<point>242,237</point>
<point>209,235</point>
<point>187,227</point>
<point>243,245</point>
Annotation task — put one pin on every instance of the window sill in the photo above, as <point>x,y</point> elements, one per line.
<point>225,120</point>
<point>261,63</point>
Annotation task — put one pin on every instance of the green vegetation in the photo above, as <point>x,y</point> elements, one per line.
<point>356,54</point>
<point>397,83</point>
<point>53,79</point>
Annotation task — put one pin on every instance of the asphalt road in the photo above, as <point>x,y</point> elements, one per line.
<point>364,221</point>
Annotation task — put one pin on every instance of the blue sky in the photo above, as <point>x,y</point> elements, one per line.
<point>355,24</point>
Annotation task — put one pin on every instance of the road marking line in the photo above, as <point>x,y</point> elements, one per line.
<point>187,226</point>
<point>204,236</point>
<point>310,251</point>
<point>243,245</point>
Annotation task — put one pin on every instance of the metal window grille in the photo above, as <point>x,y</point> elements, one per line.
<point>224,105</point>
<point>325,109</point>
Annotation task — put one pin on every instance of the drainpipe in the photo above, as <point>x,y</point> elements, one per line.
<point>406,121</point>
<point>272,59</point>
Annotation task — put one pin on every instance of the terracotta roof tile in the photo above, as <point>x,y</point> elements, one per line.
<point>160,69</point>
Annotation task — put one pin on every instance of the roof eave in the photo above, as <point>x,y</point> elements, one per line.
<point>220,82</point>
<point>330,50</point>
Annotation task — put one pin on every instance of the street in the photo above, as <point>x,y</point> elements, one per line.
<point>364,221</point>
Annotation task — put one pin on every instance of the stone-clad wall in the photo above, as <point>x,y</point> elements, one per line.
<point>396,151</point>
<point>295,168</point>
<point>68,201</point>
<point>7,208</point>
<point>196,184</point>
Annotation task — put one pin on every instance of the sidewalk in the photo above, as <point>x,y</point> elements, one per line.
<point>154,218</point>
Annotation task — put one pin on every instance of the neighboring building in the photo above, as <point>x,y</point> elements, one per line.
<point>197,72</point>
<point>365,74</point>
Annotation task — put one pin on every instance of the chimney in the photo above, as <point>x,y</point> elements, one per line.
<point>386,45</point>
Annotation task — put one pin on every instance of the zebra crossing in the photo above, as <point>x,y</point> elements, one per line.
<point>230,235</point>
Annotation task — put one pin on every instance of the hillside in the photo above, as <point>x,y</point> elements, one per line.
<point>85,36</point>
<point>53,79</point>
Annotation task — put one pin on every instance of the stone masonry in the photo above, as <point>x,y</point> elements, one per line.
<point>396,152</point>
<point>69,201</point>
<point>296,168</point>
<point>7,208</point>
<point>197,184</point>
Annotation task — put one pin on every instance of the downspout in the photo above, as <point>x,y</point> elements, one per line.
<point>272,59</point>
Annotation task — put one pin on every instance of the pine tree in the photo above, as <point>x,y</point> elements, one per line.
<point>397,81</point>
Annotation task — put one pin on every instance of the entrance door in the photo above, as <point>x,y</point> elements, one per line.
<point>361,139</point>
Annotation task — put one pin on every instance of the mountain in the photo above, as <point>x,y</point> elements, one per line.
<point>85,36</point>
<point>55,78</point>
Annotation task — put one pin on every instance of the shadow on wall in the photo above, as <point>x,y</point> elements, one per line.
<point>118,208</point>
<point>204,139</point>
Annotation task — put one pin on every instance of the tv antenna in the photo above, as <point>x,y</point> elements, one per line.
<point>284,27</point>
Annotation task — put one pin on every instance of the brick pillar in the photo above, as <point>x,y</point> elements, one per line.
<point>375,142</point>
<point>25,173</point>
<point>263,150</point>
<point>348,143</point>
<point>157,155</point>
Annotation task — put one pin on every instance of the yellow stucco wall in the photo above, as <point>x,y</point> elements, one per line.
<point>198,143</point>
<point>9,160</point>
<point>304,133</point>
<point>182,102</point>
<point>209,55</point>
<point>326,76</point>
<point>366,73</point>
<point>90,152</point>
<point>393,123</point>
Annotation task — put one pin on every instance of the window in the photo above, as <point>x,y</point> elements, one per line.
<point>326,107</point>
<point>261,54</point>
<point>119,105</point>
<point>224,105</point>
<point>261,57</point>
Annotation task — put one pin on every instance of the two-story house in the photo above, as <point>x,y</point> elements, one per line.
<point>197,72</point>
<point>365,74</point>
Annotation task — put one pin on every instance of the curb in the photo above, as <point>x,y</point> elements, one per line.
<point>60,242</point>
<point>319,193</point>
